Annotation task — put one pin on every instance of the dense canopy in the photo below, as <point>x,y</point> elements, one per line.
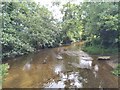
<point>28,26</point>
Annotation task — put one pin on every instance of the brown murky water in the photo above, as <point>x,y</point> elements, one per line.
<point>44,70</point>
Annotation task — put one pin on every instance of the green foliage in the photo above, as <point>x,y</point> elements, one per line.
<point>26,28</point>
<point>101,20</point>
<point>3,72</point>
<point>95,22</point>
<point>117,70</point>
<point>72,25</point>
<point>98,49</point>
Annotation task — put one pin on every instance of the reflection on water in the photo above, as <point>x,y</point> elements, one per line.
<point>27,66</point>
<point>96,68</point>
<point>58,69</point>
<point>85,64</point>
<point>76,70</point>
<point>68,80</point>
<point>54,84</point>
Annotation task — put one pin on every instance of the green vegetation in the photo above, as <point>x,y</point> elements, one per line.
<point>97,49</point>
<point>3,72</point>
<point>28,26</point>
<point>72,25</point>
<point>101,27</point>
<point>117,70</point>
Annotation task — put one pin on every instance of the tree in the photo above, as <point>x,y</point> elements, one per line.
<point>27,26</point>
<point>72,24</point>
<point>101,22</point>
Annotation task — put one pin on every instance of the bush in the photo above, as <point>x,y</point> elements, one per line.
<point>117,70</point>
<point>3,72</point>
<point>97,49</point>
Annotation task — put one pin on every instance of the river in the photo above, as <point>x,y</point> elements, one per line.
<point>44,70</point>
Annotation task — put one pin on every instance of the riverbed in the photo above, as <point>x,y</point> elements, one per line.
<point>45,70</point>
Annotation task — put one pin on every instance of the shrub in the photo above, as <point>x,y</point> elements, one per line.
<point>117,70</point>
<point>3,72</point>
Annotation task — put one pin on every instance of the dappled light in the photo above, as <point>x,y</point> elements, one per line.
<point>59,44</point>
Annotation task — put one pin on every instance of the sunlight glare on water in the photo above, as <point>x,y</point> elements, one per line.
<point>71,72</point>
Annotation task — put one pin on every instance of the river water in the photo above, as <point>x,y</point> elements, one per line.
<point>61,67</point>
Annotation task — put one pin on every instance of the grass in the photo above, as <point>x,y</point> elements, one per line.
<point>96,49</point>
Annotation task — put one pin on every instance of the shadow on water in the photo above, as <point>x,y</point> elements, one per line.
<point>44,70</point>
